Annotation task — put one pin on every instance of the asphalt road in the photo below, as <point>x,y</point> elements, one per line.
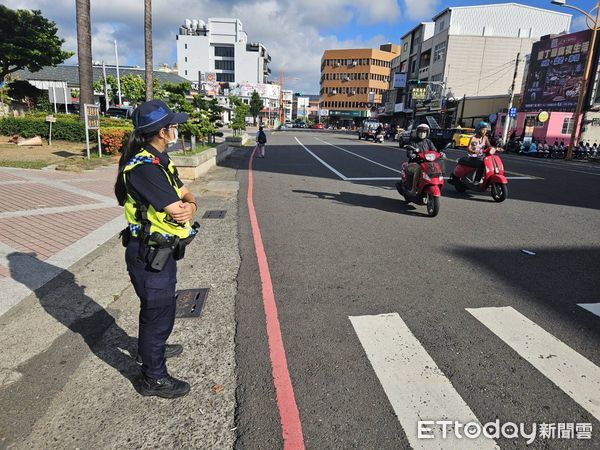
<point>388,316</point>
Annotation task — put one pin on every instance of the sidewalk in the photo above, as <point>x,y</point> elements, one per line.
<point>55,217</point>
<point>67,372</point>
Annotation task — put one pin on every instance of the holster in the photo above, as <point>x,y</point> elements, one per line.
<point>125,236</point>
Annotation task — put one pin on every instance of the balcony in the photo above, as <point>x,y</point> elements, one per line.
<point>424,73</point>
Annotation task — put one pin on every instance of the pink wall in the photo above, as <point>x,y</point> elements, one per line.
<point>550,132</point>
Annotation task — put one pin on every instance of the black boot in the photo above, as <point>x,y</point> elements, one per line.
<point>165,387</point>
<point>171,350</point>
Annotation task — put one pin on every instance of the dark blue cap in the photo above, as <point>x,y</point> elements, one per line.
<point>155,114</point>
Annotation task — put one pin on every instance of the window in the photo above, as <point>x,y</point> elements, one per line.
<point>186,59</point>
<point>225,77</point>
<point>439,51</point>
<point>442,24</point>
<point>567,127</point>
<point>227,52</point>
<point>405,47</point>
<point>413,66</point>
<point>186,46</point>
<point>186,72</point>
<point>224,64</point>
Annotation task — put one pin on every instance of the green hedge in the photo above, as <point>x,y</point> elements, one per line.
<point>66,127</point>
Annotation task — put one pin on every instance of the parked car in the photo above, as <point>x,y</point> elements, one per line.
<point>368,128</point>
<point>123,112</point>
<point>300,124</point>
<point>317,126</point>
<point>462,136</point>
<point>289,125</point>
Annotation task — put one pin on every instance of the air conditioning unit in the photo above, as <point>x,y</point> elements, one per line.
<point>353,92</point>
<point>337,64</point>
<point>355,63</point>
<point>334,92</point>
<point>346,78</point>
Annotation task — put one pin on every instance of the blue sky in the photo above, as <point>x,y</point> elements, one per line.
<point>296,32</point>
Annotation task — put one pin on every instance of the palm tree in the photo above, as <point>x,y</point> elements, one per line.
<point>148,48</point>
<point>84,54</point>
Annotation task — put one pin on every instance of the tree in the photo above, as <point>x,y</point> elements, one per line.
<point>113,87</point>
<point>84,54</point>
<point>133,88</point>
<point>148,48</point>
<point>256,105</point>
<point>28,41</point>
<point>239,121</point>
<point>23,91</point>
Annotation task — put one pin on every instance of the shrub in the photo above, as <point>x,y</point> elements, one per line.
<point>113,139</point>
<point>67,127</point>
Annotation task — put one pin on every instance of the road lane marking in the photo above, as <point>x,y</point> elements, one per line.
<point>594,308</point>
<point>339,174</point>
<point>416,388</point>
<point>357,155</point>
<point>291,426</point>
<point>574,374</point>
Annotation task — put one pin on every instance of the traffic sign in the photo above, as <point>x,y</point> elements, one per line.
<point>512,112</point>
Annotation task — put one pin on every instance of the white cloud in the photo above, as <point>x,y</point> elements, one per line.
<point>421,9</point>
<point>291,30</point>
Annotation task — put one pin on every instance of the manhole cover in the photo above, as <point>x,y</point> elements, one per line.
<point>190,302</point>
<point>214,214</point>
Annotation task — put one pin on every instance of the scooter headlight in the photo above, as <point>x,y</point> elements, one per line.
<point>426,177</point>
<point>430,156</point>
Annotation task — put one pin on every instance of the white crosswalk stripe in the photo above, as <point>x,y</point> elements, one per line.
<point>577,376</point>
<point>416,388</point>
<point>594,308</point>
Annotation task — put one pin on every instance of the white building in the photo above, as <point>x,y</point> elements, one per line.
<point>471,51</point>
<point>301,107</point>
<point>220,47</point>
<point>288,103</point>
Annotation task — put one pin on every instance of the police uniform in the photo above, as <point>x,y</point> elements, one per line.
<point>152,183</point>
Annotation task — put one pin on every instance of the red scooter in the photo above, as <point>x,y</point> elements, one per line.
<point>463,177</point>
<point>430,183</point>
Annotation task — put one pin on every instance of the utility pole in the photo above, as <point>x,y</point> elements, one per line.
<point>118,77</point>
<point>106,100</point>
<point>583,86</point>
<point>510,103</point>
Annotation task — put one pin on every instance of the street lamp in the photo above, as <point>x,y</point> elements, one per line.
<point>593,23</point>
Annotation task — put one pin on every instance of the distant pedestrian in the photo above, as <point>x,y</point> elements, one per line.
<point>261,140</point>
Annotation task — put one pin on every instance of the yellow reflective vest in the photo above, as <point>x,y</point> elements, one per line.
<point>159,221</point>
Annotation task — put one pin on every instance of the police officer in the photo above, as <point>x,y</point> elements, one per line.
<point>158,209</point>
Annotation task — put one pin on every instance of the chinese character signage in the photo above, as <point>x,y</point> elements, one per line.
<point>399,81</point>
<point>419,93</point>
<point>555,72</point>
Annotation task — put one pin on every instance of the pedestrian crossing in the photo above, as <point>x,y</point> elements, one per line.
<point>419,391</point>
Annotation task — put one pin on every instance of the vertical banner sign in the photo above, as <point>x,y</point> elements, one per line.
<point>399,81</point>
<point>92,122</point>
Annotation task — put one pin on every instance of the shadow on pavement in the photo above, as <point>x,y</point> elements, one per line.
<point>555,278</point>
<point>367,201</point>
<point>65,300</point>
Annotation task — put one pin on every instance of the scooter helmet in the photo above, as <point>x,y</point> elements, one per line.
<point>423,131</point>
<point>481,125</point>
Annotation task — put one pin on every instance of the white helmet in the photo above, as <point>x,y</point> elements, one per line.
<point>423,128</point>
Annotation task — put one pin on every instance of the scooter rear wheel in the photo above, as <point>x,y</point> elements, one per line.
<point>433,205</point>
<point>459,186</point>
<point>499,192</point>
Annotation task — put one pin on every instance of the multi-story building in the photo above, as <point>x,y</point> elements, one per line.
<point>300,109</point>
<point>287,98</point>
<point>471,51</point>
<point>353,81</point>
<point>220,47</point>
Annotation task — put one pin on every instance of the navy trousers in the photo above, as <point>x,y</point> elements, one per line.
<point>156,291</point>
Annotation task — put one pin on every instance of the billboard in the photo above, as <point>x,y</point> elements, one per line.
<point>555,72</point>
<point>264,90</point>
<point>399,81</point>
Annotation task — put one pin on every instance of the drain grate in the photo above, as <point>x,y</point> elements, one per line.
<point>214,214</point>
<point>190,302</point>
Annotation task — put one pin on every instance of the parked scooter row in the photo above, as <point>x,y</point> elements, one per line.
<point>558,150</point>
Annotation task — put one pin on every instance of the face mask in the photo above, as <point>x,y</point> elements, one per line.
<point>422,135</point>
<point>175,136</point>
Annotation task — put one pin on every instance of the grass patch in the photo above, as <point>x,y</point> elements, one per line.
<point>35,164</point>
<point>81,164</point>
<point>198,149</point>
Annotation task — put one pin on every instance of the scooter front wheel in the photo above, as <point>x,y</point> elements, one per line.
<point>433,205</point>
<point>459,186</point>
<point>499,192</point>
